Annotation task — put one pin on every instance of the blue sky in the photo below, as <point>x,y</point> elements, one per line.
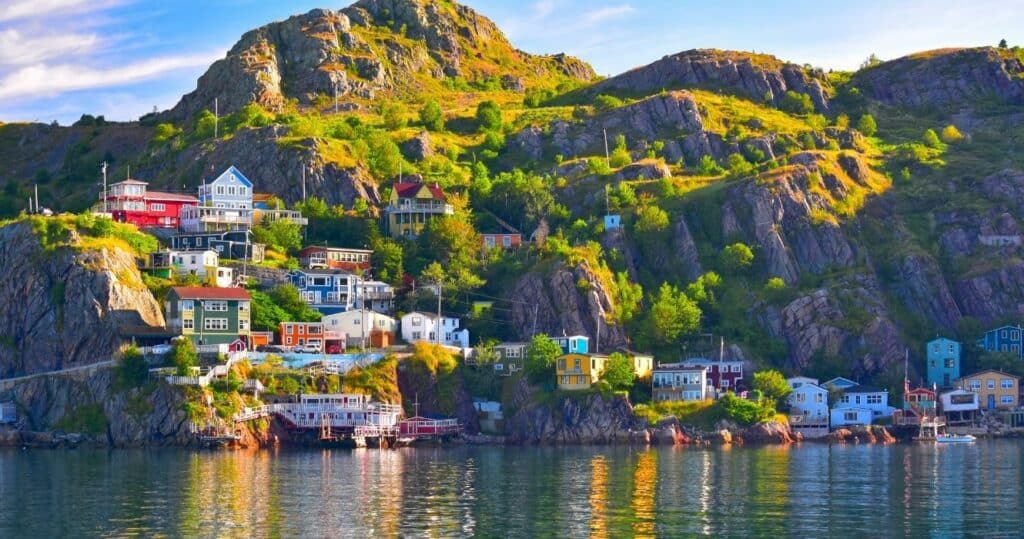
<point>121,58</point>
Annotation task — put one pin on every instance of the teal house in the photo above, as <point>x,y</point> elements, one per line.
<point>943,362</point>
<point>208,315</point>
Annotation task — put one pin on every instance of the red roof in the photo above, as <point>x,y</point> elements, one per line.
<point>160,195</point>
<point>201,292</point>
<point>409,190</point>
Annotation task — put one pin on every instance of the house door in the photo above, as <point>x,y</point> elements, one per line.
<point>991,402</point>
<point>945,380</point>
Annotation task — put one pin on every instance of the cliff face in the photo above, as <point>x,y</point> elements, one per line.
<point>65,307</point>
<point>585,419</point>
<point>322,51</point>
<point>945,77</point>
<point>757,77</point>
<point>554,302</point>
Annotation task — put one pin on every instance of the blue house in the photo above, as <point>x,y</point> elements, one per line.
<point>329,291</point>
<point>230,245</point>
<point>224,204</point>
<point>612,222</point>
<point>943,362</point>
<point>575,344</point>
<point>1003,339</point>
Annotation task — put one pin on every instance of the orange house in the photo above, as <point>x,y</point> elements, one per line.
<point>311,333</point>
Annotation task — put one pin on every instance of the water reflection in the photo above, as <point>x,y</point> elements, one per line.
<point>812,490</point>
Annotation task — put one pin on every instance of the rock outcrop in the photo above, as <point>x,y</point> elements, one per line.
<point>566,301</point>
<point>944,78</point>
<point>65,306</point>
<point>571,420</point>
<point>758,77</point>
<point>323,51</point>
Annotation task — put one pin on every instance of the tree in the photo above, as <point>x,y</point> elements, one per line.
<point>452,241</point>
<point>204,124</point>
<point>488,116</point>
<point>541,354</point>
<point>393,116</point>
<point>931,139</point>
<point>772,384</point>
<point>388,259</point>
<point>132,370</point>
<point>628,296</point>
<point>738,165</point>
<point>672,314</point>
<point>951,134</point>
<point>866,125</point>
<point>431,116</point>
<point>650,219</point>
<point>871,61</point>
<point>280,235</point>
<point>185,357</point>
<point>620,156</point>
<point>287,297</point>
<point>619,371</point>
<point>737,257</point>
<point>796,103</point>
<point>1002,44</point>
<point>708,166</point>
<point>266,315</point>
<point>289,385</point>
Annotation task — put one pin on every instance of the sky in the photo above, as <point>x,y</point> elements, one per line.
<point>121,58</point>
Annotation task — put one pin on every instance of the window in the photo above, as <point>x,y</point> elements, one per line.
<point>188,323</point>
<point>288,340</point>
<point>576,365</point>
<point>800,397</point>
<point>187,305</point>
<point>1006,383</point>
<point>416,335</point>
<point>735,368</point>
<point>849,416</point>
<point>725,383</point>
<point>874,399</point>
<point>356,322</point>
<point>216,306</point>
<point>498,366</point>
<point>819,398</point>
<point>242,190</point>
<point>950,363</point>
<point>156,206</point>
<point>243,306</point>
<point>1006,399</point>
<point>975,384</point>
<point>991,383</point>
<point>845,399</point>
<point>220,189</point>
<point>215,324</point>
<point>231,189</point>
<point>951,349</point>
<point>512,352</point>
<point>856,399</point>
<point>506,241</point>
<point>489,241</point>
<point>243,324</point>
<point>417,321</point>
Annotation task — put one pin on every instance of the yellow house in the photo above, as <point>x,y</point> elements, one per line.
<point>995,389</point>
<point>411,206</point>
<point>643,365</point>
<point>578,371</point>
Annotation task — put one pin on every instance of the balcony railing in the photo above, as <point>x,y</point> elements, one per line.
<point>433,208</point>
<point>291,216</point>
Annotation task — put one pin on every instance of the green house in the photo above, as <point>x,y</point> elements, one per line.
<point>209,315</point>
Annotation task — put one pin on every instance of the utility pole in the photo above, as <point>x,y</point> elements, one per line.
<point>104,169</point>
<point>440,321</point>
<point>216,120</point>
<point>597,341</point>
<point>607,156</point>
<point>303,184</point>
<point>335,97</point>
<point>533,332</point>
<point>36,187</point>
<point>30,205</point>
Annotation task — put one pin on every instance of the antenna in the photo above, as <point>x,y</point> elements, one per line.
<point>103,167</point>
<point>36,187</point>
<point>607,157</point>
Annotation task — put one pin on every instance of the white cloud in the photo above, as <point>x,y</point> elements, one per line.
<point>49,80</point>
<point>543,8</point>
<point>605,13</point>
<point>21,48</point>
<point>20,9</point>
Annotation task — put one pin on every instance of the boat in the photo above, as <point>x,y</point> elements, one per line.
<point>954,439</point>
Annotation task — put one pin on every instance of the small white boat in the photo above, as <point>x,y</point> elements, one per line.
<point>955,439</point>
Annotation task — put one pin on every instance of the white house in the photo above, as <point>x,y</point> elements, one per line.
<point>420,326</point>
<point>808,409</point>
<point>673,382</point>
<point>859,398</point>
<point>357,325</point>
<point>960,406</point>
<point>375,295</point>
<point>797,381</point>
<point>194,262</point>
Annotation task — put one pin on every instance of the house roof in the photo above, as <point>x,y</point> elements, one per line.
<point>839,380</point>
<point>317,248</point>
<point>232,170</point>
<point>510,344</point>
<point>987,371</point>
<point>706,361</point>
<point>943,339</point>
<point>328,271</point>
<point>202,292</point>
<point>409,189</point>
<point>130,181</point>
<point>860,388</point>
<point>161,195</point>
<point>432,316</point>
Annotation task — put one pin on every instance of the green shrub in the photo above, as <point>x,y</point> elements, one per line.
<point>185,357</point>
<point>131,370</point>
<point>488,116</point>
<point>931,139</point>
<point>604,102</point>
<point>866,125</point>
<point>708,166</point>
<point>796,103</point>
<point>431,116</point>
<point>737,257</point>
<point>951,134</point>
<point>738,165</point>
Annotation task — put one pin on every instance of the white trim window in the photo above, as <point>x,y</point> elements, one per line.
<point>1006,399</point>
<point>243,306</point>
<point>216,306</point>
<point>1006,383</point>
<point>157,206</point>
<point>187,305</point>
<point>243,324</point>
<point>188,323</point>
<point>215,324</point>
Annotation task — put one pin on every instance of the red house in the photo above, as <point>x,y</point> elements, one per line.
<point>321,257</point>
<point>129,201</point>
<point>503,240</point>
<point>722,375</point>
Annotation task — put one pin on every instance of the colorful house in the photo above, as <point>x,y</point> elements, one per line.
<point>575,344</point>
<point>312,334</point>
<point>839,383</point>
<point>328,291</point>
<point>674,382</point>
<point>375,296</point>
<point>643,365</point>
<point>578,371</point>
<point>808,408</point>
<point>411,206</point>
<point>502,240</point>
<point>130,201</point>
<point>511,357</point>
<point>230,245</point>
<point>943,362</point>
<point>919,404</point>
<point>322,257</point>
<point>1004,339</point>
<point>722,375</point>
<point>797,381</point>
<point>224,204</point>
<point>860,398</point>
<point>208,315</point>
<point>362,326</point>
<point>996,390</point>
<point>420,326</point>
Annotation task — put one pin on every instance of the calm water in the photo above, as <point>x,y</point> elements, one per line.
<point>809,491</point>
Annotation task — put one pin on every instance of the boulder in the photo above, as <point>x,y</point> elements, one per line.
<point>418,147</point>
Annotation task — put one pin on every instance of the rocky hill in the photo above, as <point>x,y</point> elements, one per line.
<point>879,207</point>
